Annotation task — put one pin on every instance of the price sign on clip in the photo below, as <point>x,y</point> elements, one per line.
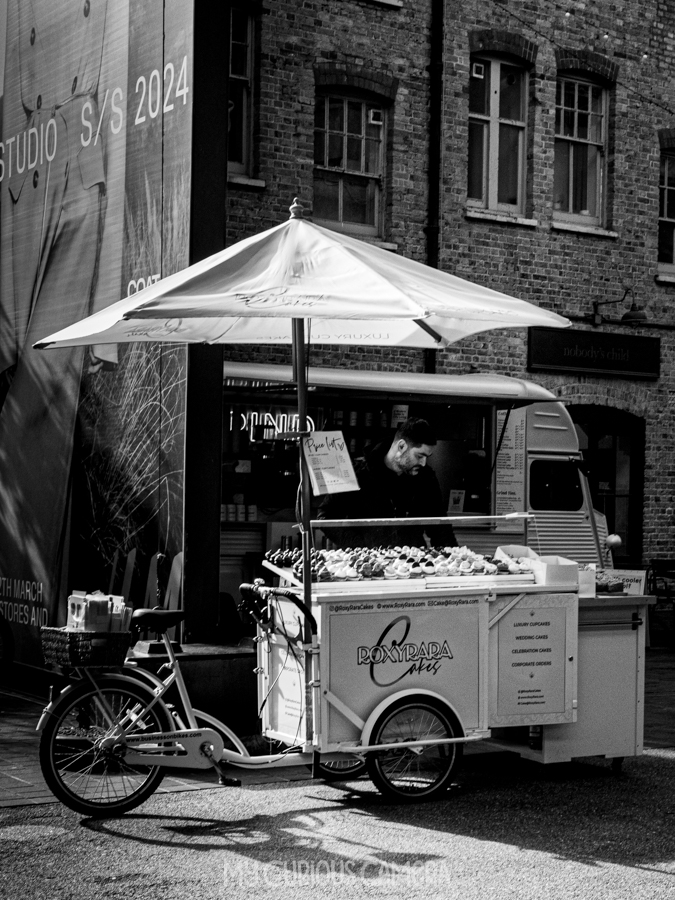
<point>330,466</point>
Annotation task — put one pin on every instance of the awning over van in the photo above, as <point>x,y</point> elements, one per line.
<point>475,387</point>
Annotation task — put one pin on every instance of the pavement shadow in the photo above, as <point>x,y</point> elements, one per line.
<point>581,812</point>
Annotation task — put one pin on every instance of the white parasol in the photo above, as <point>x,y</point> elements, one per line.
<point>299,282</point>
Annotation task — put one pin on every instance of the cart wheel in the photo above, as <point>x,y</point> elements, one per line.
<point>345,769</point>
<point>412,774</point>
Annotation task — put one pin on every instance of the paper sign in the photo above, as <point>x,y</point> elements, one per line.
<point>456,504</point>
<point>330,466</point>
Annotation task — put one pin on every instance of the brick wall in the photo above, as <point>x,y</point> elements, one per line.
<point>631,44</point>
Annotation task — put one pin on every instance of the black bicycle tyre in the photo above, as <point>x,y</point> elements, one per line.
<point>98,783</point>
<point>404,775</point>
<point>347,769</point>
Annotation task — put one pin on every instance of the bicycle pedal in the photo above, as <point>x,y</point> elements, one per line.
<point>226,781</point>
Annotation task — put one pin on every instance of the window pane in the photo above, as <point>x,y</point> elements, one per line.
<point>595,129</point>
<point>354,118</point>
<point>561,179</point>
<point>662,202</point>
<point>477,142</point>
<point>239,60</point>
<point>596,100</point>
<point>670,164</point>
<point>335,150</point>
<point>582,125</point>
<point>583,97</point>
<point>666,234</point>
<point>239,26</point>
<point>372,157</point>
<point>579,179</point>
<point>568,123</point>
<point>509,164</point>
<point>479,84</point>
<point>327,196</point>
<point>670,204</point>
<point>235,139</point>
<point>358,201</point>
<point>354,154</point>
<point>511,83</point>
<point>584,179</point>
<point>373,129</point>
<point>336,115</point>
<point>570,95</point>
<point>320,113</point>
<point>319,148</point>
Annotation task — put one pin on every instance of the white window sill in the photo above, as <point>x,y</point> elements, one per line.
<point>665,278</point>
<point>491,216</point>
<point>583,229</point>
<point>245,181</point>
<point>396,3</point>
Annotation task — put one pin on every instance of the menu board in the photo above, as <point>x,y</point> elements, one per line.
<point>510,473</point>
<point>532,662</point>
<point>330,466</point>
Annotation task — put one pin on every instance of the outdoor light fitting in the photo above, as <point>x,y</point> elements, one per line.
<point>635,315</point>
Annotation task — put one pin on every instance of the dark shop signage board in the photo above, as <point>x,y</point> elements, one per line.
<point>593,353</point>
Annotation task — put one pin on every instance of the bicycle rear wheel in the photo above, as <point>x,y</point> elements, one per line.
<point>83,768</point>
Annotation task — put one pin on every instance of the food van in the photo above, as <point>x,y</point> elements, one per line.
<point>505,446</point>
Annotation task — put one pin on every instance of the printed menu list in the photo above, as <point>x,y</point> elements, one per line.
<point>330,466</point>
<point>510,487</point>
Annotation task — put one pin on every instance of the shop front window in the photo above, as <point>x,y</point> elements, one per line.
<point>580,138</point>
<point>348,163</point>
<point>497,124</point>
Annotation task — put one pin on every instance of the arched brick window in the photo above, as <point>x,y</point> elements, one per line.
<point>581,133</point>
<point>498,120</point>
<point>667,202</point>
<point>350,127</point>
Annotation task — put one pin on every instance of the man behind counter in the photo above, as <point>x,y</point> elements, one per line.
<point>395,482</point>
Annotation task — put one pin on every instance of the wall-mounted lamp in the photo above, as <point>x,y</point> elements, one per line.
<point>635,315</point>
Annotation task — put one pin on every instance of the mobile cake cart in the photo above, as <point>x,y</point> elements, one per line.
<point>401,674</point>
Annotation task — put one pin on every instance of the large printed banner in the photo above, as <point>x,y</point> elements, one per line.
<point>94,205</point>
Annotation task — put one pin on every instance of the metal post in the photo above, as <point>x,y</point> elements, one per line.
<point>300,375</point>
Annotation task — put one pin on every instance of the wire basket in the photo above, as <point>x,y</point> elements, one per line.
<point>61,647</point>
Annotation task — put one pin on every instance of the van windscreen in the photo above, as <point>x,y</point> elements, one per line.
<point>554,484</point>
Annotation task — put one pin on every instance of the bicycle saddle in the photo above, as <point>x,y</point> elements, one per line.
<point>157,620</point>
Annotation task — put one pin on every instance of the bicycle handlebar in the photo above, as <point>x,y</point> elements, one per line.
<point>262,591</point>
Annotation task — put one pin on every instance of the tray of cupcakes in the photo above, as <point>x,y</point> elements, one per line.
<point>409,567</point>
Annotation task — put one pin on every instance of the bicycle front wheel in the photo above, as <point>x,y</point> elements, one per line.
<point>84,763</point>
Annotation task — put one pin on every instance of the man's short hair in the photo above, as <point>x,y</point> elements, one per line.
<point>416,432</point>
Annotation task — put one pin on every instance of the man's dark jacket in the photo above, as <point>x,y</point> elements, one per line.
<point>384,494</point>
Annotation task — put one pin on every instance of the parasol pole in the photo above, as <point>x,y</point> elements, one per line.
<point>300,378</point>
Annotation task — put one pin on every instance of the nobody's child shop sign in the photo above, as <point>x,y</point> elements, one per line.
<point>594,353</point>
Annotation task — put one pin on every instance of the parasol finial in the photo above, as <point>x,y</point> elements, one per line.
<point>296,209</point>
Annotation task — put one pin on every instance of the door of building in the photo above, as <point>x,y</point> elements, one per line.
<point>613,445</point>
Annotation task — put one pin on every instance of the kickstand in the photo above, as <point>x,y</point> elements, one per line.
<point>223,779</point>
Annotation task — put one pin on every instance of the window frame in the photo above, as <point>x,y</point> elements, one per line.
<point>581,217</point>
<point>493,122</point>
<point>665,268</point>
<point>245,166</point>
<point>377,179</point>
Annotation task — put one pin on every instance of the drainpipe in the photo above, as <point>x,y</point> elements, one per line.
<point>435,69</point>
